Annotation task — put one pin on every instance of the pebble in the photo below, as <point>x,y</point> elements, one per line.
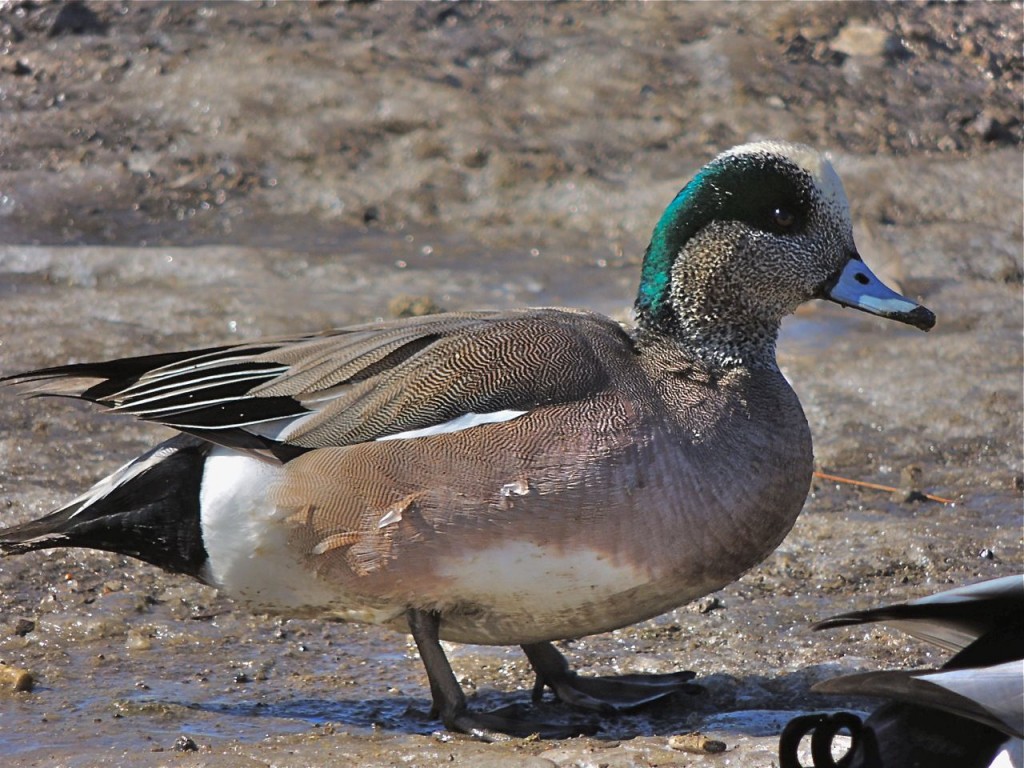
<point>413,306</point>
<point>24,627</point>
<point>15,678</point>
<point>185,744</point>
<point>138,640</point>
<point>861,40</point>
<point>911,482</point>
<point>696,743</point>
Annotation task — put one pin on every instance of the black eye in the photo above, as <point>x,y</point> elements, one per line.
<point>783,219</point>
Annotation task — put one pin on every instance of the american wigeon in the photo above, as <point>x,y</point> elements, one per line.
<point>509,477</point>
<point>967,714</point>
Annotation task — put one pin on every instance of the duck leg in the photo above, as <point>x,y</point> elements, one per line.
<point>613,693</point>
<point>449,702</point>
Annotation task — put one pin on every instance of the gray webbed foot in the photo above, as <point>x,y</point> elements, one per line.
<point>614,693</point>
<point>449,702</point>
<point>513,720</point>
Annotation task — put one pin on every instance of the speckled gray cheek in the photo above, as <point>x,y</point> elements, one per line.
<point>732,283</point>
<point>822,253</point>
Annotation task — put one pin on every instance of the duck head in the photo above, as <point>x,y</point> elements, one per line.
<point>759,230</point>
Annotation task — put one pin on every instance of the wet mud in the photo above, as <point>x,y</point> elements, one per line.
<point>177,175</point>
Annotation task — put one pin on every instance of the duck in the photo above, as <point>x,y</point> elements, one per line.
<point>512,477</point>
<point>969,713</point>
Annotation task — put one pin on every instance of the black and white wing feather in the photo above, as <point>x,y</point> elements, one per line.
<point>357,384</point>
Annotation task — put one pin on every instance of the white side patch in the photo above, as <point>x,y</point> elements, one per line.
<point>458,424</point>
<point>247,545</point>
<point>236,517</point>
<point>246,540</point>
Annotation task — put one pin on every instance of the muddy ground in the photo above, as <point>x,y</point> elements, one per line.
<point>188,174</point>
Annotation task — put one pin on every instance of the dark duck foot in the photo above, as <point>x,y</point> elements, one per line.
<point>606,695</point>
<point>614,693</point>
<point>513,721</point>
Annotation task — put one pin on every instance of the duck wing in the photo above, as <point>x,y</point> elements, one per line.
<point>404,378</point>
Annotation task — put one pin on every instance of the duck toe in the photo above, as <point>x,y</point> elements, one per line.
<point>607,694</point>
<point>513,722</point>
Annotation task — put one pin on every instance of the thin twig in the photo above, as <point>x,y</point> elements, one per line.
<point>878,487</point>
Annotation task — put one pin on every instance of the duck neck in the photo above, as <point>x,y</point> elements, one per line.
<point>718,341</point>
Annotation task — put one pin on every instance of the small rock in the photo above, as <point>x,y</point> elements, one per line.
<point>15,678</point>
<point>142,162</point>
<point>911,477</point>
<point>10,33</point>
<point>413,306</point>
<point>19,68</point>
<point>708,604</point>
<point>138,640</point>
<point>185,744</point>
<point>76,18</point>
<point>861,40</point>
<point>475,158</point>
<point>988,127</point>
<point>23,626</point>
<point>696,743</point>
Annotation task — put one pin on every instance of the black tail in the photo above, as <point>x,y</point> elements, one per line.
<point>148,509</point>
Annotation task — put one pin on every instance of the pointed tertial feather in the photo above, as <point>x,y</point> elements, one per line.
<point>98,380</point>
<point>992,695</point>
<point>953,619</point>
<point>280,397</point>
